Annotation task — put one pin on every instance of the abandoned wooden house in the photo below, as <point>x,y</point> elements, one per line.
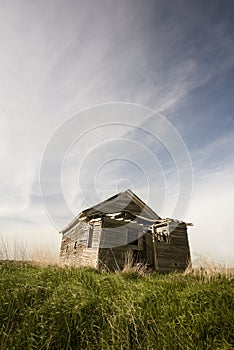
<point>124,229</point>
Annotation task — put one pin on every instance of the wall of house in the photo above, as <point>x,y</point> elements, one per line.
<point>108,245</point>
<point>149,249</point>
<point>172,248</point>
<point>78,247</point>
<point>116,249</point>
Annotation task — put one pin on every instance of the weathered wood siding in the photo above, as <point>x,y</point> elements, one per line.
<point>149,248</point>
<point>74,247</point>
<point>115,250</point>
<point>114,258</point>
<point>172,252</point>
<point>164,247</point>
<point>115,233</point>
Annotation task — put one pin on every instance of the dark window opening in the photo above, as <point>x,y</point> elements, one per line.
<point>132,237</point>
<point>90,237</point>
<point>163,237</point>
<point>75,245</point>
<point>175,264</point>
<point>67,248</point>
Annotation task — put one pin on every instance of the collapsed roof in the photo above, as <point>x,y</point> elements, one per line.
<point>125,202</point>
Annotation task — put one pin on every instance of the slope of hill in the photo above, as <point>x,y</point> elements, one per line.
<point>81,308</point>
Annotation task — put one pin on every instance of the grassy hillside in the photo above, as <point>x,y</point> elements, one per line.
<point>72,308</point>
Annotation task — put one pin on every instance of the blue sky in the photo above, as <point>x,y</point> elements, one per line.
<point>61,57</point>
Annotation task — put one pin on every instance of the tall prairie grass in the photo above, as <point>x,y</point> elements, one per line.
<point>50,307</point>
<point>17,250</point>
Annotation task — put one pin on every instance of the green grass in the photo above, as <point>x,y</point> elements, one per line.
<point>81,308</point>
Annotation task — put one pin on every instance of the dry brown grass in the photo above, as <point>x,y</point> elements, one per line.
<point>19,251</point>
<point>205,266</point>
